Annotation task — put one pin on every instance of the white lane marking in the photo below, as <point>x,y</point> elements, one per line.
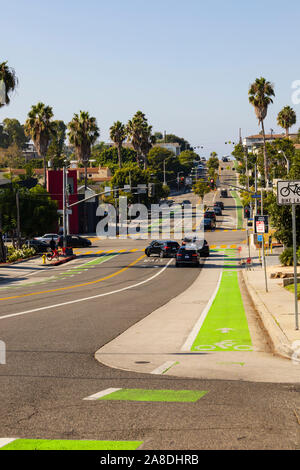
<point>7,440</point>
<point>101,394</point>
<point>161,369</point>
<point>192,336</point>
<point>87,298</point>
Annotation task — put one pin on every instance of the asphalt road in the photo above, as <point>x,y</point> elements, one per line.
<point>51,335</point>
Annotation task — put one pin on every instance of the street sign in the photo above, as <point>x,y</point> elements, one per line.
<point>141,188</point>
<point>259,238</point>
<point>127,188</point>
<point>256,196</point>
<point>261,224</point>
<point>288,192</point>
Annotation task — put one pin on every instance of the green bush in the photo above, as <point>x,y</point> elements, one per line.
<point>287,256</point>
<point>23,253</point>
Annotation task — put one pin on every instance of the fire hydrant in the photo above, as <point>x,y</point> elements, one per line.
<point>44,259</point>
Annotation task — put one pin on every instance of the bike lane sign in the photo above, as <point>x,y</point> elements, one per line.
<point>288,192</point>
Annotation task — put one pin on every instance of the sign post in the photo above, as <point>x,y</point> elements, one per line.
<point>261,226</point>
<point>288,193</point>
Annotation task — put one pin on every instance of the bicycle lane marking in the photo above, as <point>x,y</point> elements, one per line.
<point>62,304</point>
<point>225,327</point>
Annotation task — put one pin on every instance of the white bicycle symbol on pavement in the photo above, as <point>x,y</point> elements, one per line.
<point>224,345</point>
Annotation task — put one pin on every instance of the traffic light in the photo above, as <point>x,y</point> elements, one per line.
<point>212,183</point>
<point>247,212</point>
<point>151,189</point>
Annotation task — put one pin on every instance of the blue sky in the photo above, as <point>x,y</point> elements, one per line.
<point>186,64</point>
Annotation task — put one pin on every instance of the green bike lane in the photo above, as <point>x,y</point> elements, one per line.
<point>224,326</point>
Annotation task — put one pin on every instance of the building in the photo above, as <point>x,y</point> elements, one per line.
<point>257,139</point>
<point>172,146</point>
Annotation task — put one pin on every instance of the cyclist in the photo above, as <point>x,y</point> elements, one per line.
<point>52,244</point>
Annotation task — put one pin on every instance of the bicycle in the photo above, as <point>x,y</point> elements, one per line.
<point>286,190</point>
<point>53,254</point>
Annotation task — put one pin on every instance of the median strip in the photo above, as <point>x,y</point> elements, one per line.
<point>61,444</point>
<point>124,394</point>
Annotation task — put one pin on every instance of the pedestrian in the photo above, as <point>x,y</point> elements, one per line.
<point>52,244</point>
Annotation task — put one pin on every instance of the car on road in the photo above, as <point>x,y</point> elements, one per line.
<point>220,204</point>
<point>223,193</point>
<point>162,248</point>
<point>209,224</point>
<point>217,210</point>
<point>201,244</point>
<point>210,214</point>
<point>188,255</point>
<point>185,202</point>
<point>75,241</point>
<point>48,237</point>
<point>39,246</point>
<point>225,159</point>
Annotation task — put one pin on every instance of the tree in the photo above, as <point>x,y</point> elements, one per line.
<point>260,93</point>
<point>187,159</point>
<point>8,83</point>
<point>56,146</point>
<point>40,129</point>
<point>83,133</point>
<point>201,188</point>
<point>212,164</point>
<point>15,133</point>
<point>109,157</point>
<point>118,135</point>
<point>172,138</point>
<point>286,118</point>
<point>140,136</point>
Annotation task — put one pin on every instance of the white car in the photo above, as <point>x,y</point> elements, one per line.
<point>48,237</point>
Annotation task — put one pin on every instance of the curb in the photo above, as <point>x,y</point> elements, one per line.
<point>62,261</point>
<point>280,343</point>
<point>19,261</point>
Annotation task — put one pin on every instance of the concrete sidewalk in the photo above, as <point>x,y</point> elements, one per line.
<point>275,307</point>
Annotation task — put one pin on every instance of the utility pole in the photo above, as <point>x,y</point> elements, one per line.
<point>18,219</point>
<point>64,208</point>
<point>295,263</point>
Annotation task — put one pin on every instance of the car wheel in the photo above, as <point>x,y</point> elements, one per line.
<point>161,254</point>
<point>147,253</point>
<point>177,265</point>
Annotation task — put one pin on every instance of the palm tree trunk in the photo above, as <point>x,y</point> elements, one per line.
<point>287,132</point>
<point>265,155</point>
<point>119,156</point>
<point>45,172</point>
<point>85,176</point>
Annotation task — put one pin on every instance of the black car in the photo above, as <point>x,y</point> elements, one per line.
<point>38,245</point>
<point>210,214</point>
<point>74,241</point>
<point>209,224</point>
<point>187,256</point>
<point>185,202</point>
<point>164,249</point>
<point>223,193</point>
<point>204,251</point>
<point>220,204</point>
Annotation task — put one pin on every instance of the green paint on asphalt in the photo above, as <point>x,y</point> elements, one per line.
<point>155,395</point>
<point>46,444</point>
<point>70,272</point>
<point>225,327</point>
<point>239,208</point>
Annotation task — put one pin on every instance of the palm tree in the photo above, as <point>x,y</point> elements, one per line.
<point>118,134</point>
<point>140,135</point>
<point>8,83</point>
<point>260,93</point>
<point>286,118</point>
<point>40,129</point>
<point>83,133</point>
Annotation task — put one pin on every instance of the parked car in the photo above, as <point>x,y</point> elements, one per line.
<point>38,245</point>
<point>188,255</point>
<point>48,237</point>
<point>75,241</point>
<point>162,248</point>
<point>209,224</point>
